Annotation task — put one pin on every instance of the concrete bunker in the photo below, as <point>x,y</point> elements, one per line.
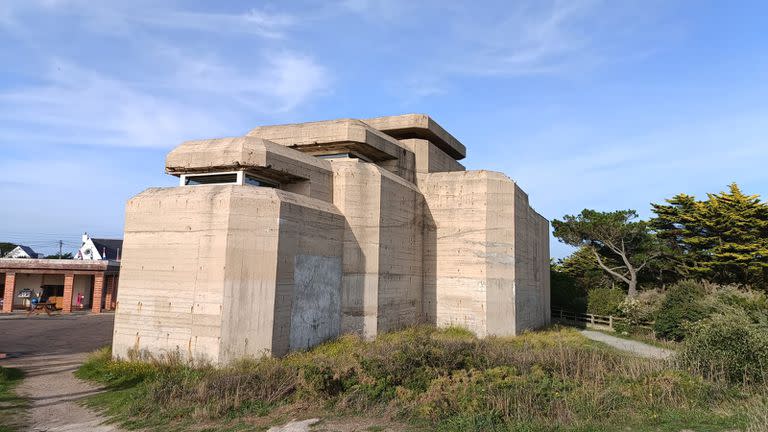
<point>295,234</point>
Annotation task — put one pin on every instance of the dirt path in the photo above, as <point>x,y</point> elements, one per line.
<point>49,350</point>
<point>634,347</point>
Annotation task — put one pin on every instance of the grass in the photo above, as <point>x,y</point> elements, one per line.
<point>10,404</point>
<point>428,379</point>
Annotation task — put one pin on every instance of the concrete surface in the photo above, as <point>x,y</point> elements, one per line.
<point>49,350</point>
<point>218,272</point>
<point>419,126</point>
<point>634,347</point>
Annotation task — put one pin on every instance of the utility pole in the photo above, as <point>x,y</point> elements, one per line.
<point>60,244</point>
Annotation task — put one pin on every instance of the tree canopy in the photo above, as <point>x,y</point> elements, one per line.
<point>620,243</point>
<point>723,239</point>
<point>6,247</point>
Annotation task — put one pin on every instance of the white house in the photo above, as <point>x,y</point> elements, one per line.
<point>100,249</point>
<point>22,252</point>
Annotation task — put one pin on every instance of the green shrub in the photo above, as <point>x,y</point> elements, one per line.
<point>727,298</point>
<point>642,308</point>
<point>604,301</point>
<point>681,306</point>
<point>728,345</point>
<point>623,327</point>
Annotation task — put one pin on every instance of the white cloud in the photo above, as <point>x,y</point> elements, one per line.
<point>115,17</point>
<point>530,38</point>
<point>84,107</point>
<point>257,22</point>
<point>173,88</point>
<point>197,99</point>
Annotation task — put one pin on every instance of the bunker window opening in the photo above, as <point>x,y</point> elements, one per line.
<point>255,181</point>
<point>207,179</point>
<point>346,155</point>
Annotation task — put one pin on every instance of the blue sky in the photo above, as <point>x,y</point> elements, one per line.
<point>597,104</point>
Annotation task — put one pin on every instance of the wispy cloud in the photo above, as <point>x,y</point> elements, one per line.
<point>85,107</point>
<point>531,38</point>
<point>278,81</point>
<point>117,17</point>
<point>174,88</point>
<point>197,99</point>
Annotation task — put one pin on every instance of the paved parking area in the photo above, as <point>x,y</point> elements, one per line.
<point>59,334</point>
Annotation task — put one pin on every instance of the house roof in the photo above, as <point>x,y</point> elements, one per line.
<point>26,249</point>
<point>111,246</point>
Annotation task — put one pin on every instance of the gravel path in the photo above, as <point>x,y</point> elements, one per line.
<point>634,347</point>
<point>49,350</point>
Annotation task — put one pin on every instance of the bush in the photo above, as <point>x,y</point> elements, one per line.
<point>681,306</point>
<point>642,308</point>
<point>730,346</point>
<point>604,301</point>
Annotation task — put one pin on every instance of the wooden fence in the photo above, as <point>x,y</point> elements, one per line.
<point>589,320</point>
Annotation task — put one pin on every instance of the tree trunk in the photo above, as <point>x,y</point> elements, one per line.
<point>632,286</point>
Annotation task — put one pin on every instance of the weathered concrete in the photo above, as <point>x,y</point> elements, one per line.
<point>382,248</point>
<point>429,158</point>
<point>294,171</point>
<point>333,136</point>
<point>480,266</point>
<point>371,226</point>
<point>419,126</point>
<point>213,268</point>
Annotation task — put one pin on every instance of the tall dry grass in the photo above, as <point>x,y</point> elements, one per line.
<point>550,380</point>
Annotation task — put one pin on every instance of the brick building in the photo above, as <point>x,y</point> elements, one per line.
<point>70,284</point>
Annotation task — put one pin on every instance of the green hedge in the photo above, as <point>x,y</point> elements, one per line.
<point>604,301</point>
<point>681,306</point>
<point>728,345</point>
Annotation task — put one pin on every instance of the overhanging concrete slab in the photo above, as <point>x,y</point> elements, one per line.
<point>419,126</point>
<point>333,136</point>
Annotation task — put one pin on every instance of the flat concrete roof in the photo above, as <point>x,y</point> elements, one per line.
<point>419,126</point>
<point>25,265</point>
<point>333,136</point>
<point>253,154</point>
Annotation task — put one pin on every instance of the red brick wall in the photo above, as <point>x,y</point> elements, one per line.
<point>69,280</point>
<point>10,286</point>
<point>98,290</point>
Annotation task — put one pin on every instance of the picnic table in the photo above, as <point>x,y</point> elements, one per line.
<point>48,307</point>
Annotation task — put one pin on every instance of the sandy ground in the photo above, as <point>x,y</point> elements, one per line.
<point>634,347</point>
<point>49,350</point>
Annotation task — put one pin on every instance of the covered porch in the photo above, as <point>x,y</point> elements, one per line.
<point>69,285</point>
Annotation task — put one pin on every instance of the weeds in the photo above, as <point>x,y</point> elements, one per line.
<point>446,379</point>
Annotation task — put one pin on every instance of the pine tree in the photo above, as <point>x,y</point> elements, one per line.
<point>723,239</point>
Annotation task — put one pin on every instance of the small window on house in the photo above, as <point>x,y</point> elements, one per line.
<point>204,179</point>
<point>255,181</point>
